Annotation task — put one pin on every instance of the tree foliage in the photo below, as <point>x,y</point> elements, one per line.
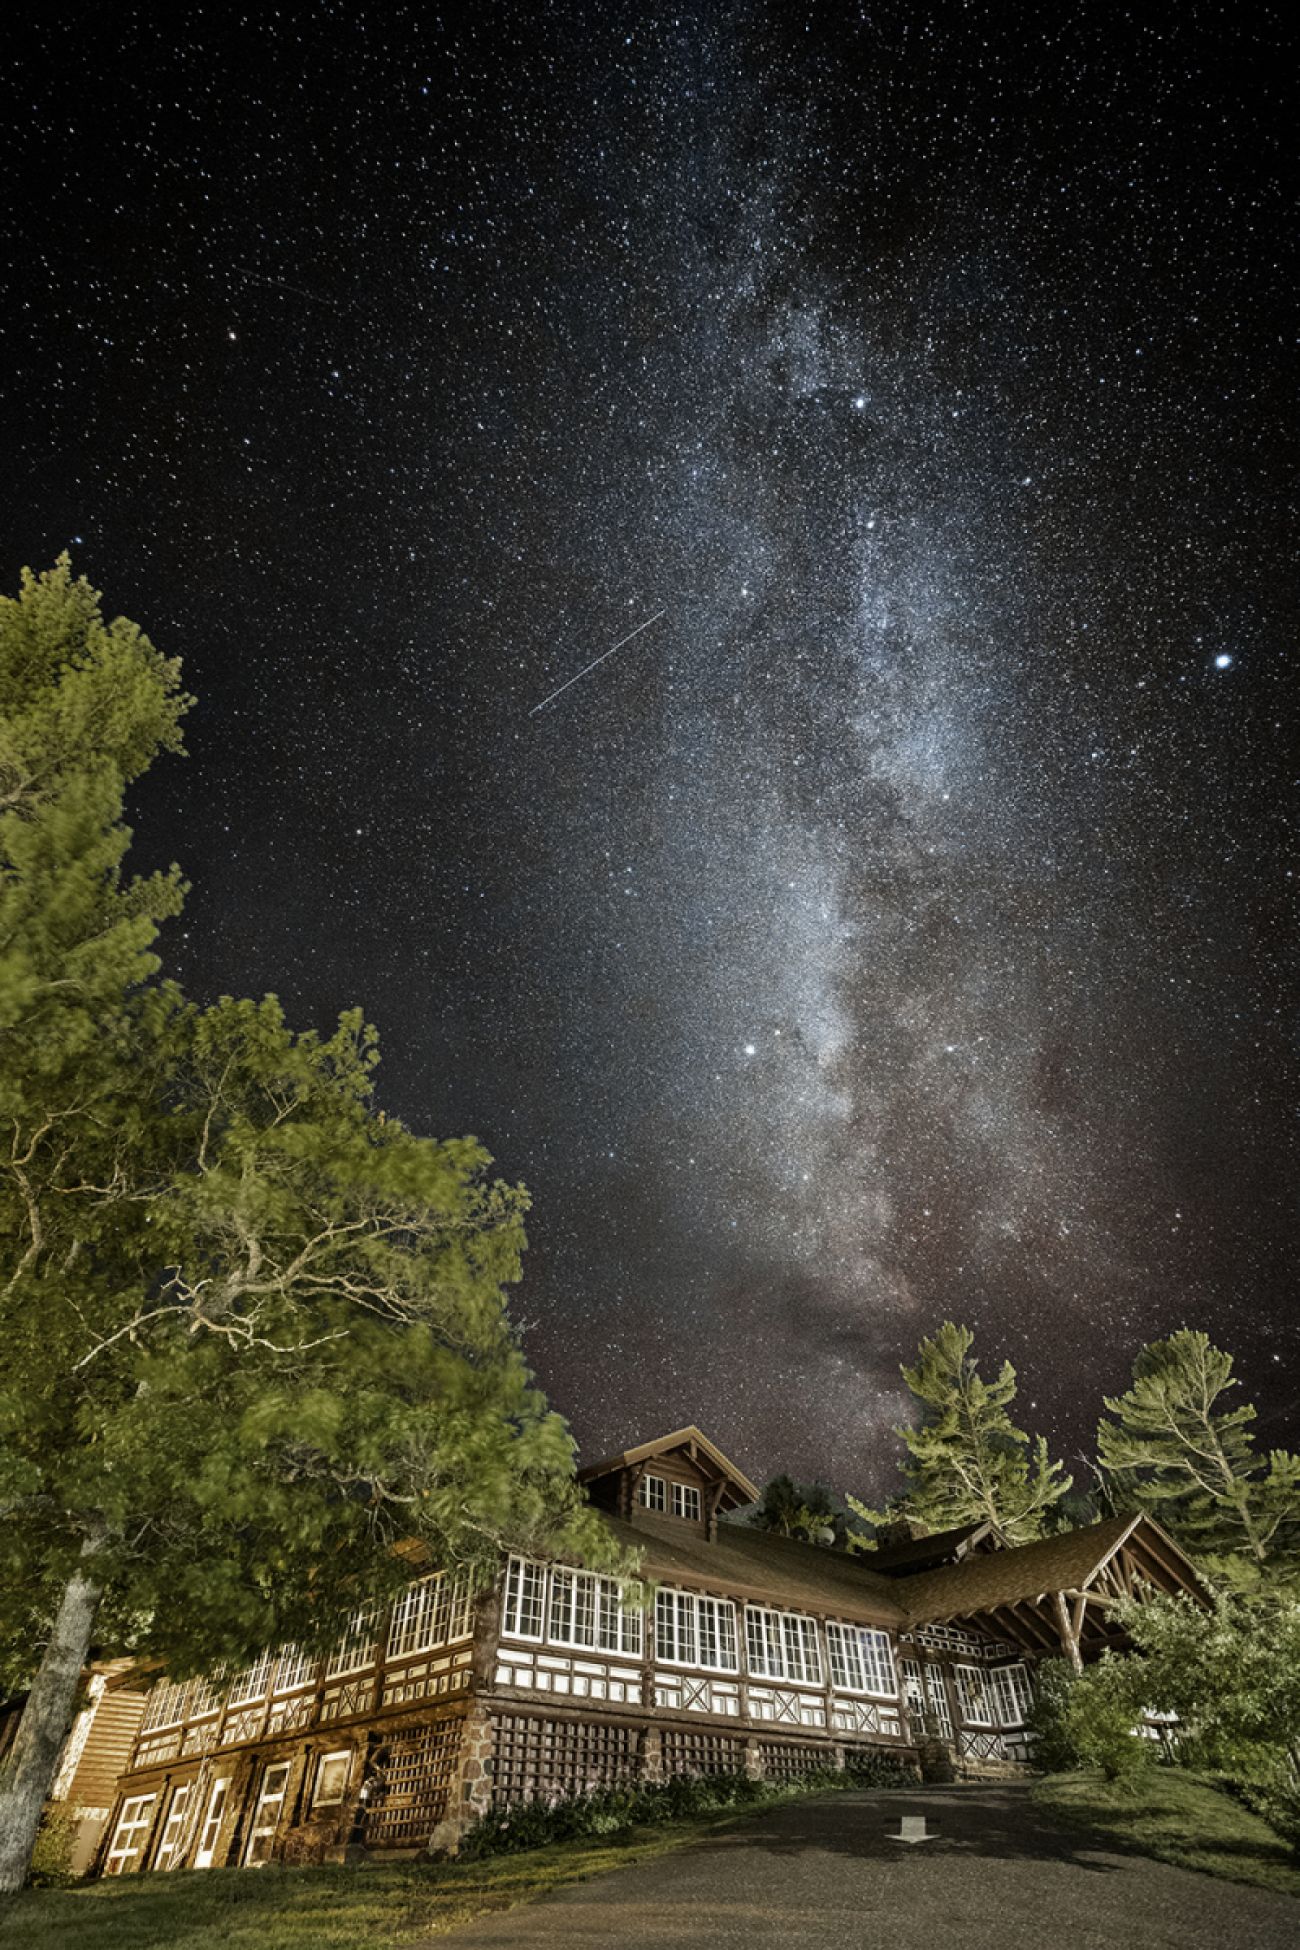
<point>966,1460</point>
<point>1177,1447</point>
<point>1089,1719</point>
<point>254,1334</point>
<point>806,1511</point>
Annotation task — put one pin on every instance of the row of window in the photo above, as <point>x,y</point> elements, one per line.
<point>586,1611</point>
<point>999,1696</point>
<point>434,1612</point>
<point>126,1851</point>
<point>653,1494</point>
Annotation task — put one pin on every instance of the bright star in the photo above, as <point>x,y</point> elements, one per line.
<point>1223,661</point>
<point>751,1049</point>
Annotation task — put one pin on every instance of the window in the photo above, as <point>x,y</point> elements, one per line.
<point>1013,1694</point>
<point>435,1611</point>
<point>652,1493</point>
<point>295,1668</point>
<point>252,1682</point>
<point>686,1501</point>
<point>937,1694</point>
<point>331,1779</point>
<point>356,1647</point>
<point>170,1849</point>
<point>205,1854</point>
<point>587,1610</point>
<point>266,1818</point>
<point>166,1706</point>
<point>132,1827</point>
<point>862,1661</point>
<point>521,1616</point>
<point>205,1696</point>
<point>695,1631</point>
<point>782,1645</point>
<point>972,1691</point>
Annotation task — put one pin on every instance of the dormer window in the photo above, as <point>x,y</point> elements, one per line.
<point>652,1493</point>
<point>686,1501</point>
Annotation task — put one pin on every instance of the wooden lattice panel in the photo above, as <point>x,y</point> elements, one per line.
<point>417,1777</point>
<point>688,1750</point>
<point>783,1760</point>
<point>557,1758</point>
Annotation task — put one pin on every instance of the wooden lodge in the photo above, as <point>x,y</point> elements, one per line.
<point>758,1654</point>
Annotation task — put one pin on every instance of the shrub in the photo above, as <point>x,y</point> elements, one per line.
<point>52,1856</point>
<point>1049,1717</point>
<point>1089,1719</point>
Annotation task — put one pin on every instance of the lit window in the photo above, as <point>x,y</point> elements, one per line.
<point>166,1706</point>
<point>653,1493</point>
<point>587,1610</point>
<point>170,1850</point>
<point>132,1827</point>
<point>521,1614</point>
<point>252,1682</point>
<point>782,1645</point>
<point>972,1691</point>
<point>861,1661</point>
<point>686,1501</point>
<point>331,1779</point>
<point>295,1668</point>
<point>436,1611</point>
<point>694,1631</point>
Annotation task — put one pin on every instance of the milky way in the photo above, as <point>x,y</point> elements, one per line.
<point>901,927</point>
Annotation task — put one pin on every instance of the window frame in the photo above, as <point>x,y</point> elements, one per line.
<point>851,1651</point>
<point>214,1815</point>
<point>679,1605</point>
<point>167,1855</point>
<point>257,1828</point>
<point>657,1505</point>
<point>293,1668</point>
<point>433,1611</point>
<point>319,1800</point>
<point>524,1592</point>
<point>617,1629</point>
<point>1005,1690</point>
<point>686,1495</point>
<point>780,1628</point>
<point>964,1696</point>
<point>359,1636</point>
<point>256,1677</point>
<point>131,1824</point>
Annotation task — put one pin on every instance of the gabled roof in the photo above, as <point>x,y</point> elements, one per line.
<point>700,1450</point>
<point>985,1580</point>
<point>770,1570</point>
<point>927,1553</point>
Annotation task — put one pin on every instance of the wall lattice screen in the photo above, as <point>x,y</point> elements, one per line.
<point>418,1775</point>
<point>688,1751</point>
<point>558,1757</point>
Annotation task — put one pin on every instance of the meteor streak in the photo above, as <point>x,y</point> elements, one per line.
<point>597,660</point>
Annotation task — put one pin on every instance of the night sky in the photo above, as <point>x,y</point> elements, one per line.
<point>902,924</point>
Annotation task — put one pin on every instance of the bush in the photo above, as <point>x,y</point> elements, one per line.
<point>52,1856</point>
<point>1088,1719</point>
<point>682,1797</point>
<point>1055,1750</point>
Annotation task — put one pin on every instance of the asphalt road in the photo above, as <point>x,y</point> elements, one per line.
<point>822,1875</point>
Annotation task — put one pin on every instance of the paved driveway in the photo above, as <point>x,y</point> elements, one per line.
<point>821,1875</point>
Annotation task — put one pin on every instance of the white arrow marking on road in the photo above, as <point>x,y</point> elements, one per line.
<point>911,1828</point>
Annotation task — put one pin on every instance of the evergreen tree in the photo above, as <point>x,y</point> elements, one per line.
<point>1180,1450</point>
<point>254,1334</point>
<point>966,1460</point>
<point>802,1510</point>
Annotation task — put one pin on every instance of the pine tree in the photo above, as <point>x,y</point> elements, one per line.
<point>1178,1449</point>
<point>253,1334</point>
<point>966,1461</point>
<point>805,1511</point>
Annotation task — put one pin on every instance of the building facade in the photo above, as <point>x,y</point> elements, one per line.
<point>757,1654</point>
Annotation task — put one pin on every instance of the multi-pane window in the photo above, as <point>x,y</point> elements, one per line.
<point>652,1493</point>
<point>173,1834</point>
<point>166,1706</point>
<point>936,1693</point>
<point>522,1610</point>
<point>862,1661</point>
<point>782,1645</point>
<point>331,1779</point>
<point>355,1647</point>
<point>926,1695</point>
<point>587,1610</point>
<point>252,1682</point>
<point>266,1818</point>
<point>294,1668</point>
<point>686,1501</point>
<point>435,1611</point>
<point>1013,1694</point>
<point>205,1853</point>
<point>972,1691</point>
<point>129,1838</point>
<point>205,1695</point>
<point>694,1631</point>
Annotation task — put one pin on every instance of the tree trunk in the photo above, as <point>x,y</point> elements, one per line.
<point>28,1772</point>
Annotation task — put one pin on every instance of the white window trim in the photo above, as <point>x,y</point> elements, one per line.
<point>355,1647</point>
<point>212,1820</point>
<point>695,1599</point>
<point>692,1503</point>
<point>1005,1692</point>
<point>318,1800</point>
<point>969,1716</point>
<point>253,1683</point>
<point>855,1632</point>
<point>431,1612</point>
<point>606,1593</point>
<point>516,1570</point>
<point>168,1853</point>
<point>166,1706</point>
<point>130,1834</point>
<point>293,1668</point>
<point>659,1508</point>
<point>805,1629</point>
<point>273,1799</point>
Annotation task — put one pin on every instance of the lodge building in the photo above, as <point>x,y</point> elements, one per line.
<point>758,1654</point>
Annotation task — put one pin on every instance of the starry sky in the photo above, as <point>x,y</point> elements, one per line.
<point>901,924</point>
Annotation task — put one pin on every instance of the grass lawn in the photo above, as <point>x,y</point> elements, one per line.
<point>1177,1817</point>
<point>323,1909</point>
